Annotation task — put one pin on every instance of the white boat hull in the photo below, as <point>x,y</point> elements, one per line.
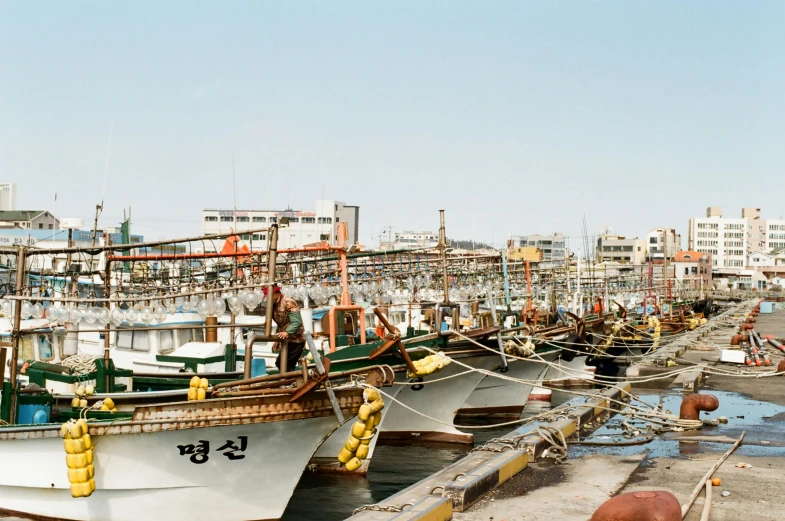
<point>498,397</point>
<point>145,475</point>
<point>440,401</point>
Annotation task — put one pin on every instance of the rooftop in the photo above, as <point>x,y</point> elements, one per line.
<point>20,215</point>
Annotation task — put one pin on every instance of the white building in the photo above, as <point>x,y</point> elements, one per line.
<point>620,249</point>
<point>28,220</point>
<point>724,238</point>
<point>410,241</point>
<point>305,227</point>
<point>774,234</point>
<point>7,197</point>
<point>553,246</point>
<point>660,238</point>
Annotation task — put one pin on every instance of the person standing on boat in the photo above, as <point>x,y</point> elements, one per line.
<point>286,315</point>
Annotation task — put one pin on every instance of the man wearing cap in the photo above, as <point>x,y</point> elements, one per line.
<point>286,314</point>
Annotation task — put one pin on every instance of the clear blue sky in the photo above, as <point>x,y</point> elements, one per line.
<point>516,117</point>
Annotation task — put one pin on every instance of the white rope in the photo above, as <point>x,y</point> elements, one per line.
<point>80,363</point>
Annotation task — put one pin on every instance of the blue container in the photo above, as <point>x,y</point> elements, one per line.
<point>28,414</point>
<point>767,307</point>
<point>258,367</point>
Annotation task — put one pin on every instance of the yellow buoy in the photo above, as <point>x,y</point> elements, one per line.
<point>88,455</point>
<point>82,403</point>
<point>371,394</point>
<point>352,443</point>
<point>203,383</point>
<point>353,464</point>
<point>377,419</point>
<point>195,381</point>
<point>76,490</point>
<point>88,442</point>
<point>358,429</point>
<point>73,446</point>
<point>362,452</point>
<point>365,412</point>
<point>109,403</point>
<point>90,471</point>
<point>86,488</point>
<point>192,393</point>
<point>89,390</point>
<point>344,456</point>
<point>75,430</point>
<point>377,406</point>
<point>75,402</point>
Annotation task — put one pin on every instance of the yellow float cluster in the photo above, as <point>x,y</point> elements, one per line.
<point>515,349</point>
<point>430,364</point>
<point>654,324</point>
<point>198,388</point>
<point>108,405</point>
<point>81,392</point>
<point>369,417</point>
<point>79,457</point>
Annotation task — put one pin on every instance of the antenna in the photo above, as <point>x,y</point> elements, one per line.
<point>100,207</point>
<point>234,190</point>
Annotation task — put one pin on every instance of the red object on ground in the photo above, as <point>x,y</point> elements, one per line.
<point>781,366</point>
<point>657,505</point>
<point>692,404</point>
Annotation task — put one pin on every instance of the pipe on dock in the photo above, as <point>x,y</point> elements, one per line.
<point>776,343</point>
<point>693,404</point>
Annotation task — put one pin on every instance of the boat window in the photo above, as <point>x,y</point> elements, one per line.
<point>26,348</point>
<point>190,335</point>
<point>45,351</point>
<point>259,219</point>
<point>165,342</point>
<point>133,340</point>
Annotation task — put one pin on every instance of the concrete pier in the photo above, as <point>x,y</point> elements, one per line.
<point>517,483</point>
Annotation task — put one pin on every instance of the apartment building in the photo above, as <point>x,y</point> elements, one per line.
<point>724,238</point>
<point>552,246</point>
<point>617,248</point>
<point>660,239</point>
<point>304,227</point>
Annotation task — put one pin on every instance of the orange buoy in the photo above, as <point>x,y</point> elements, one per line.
<point>657,505</point>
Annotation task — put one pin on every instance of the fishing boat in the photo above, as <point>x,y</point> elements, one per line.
<point>182,460</point>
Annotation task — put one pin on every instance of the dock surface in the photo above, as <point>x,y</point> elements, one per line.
<point>493,488</point>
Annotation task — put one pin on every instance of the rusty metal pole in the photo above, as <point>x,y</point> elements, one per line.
<point>20,280</point>
<point>443,251</point>
<point>108,327</point>
<point>268,312</point>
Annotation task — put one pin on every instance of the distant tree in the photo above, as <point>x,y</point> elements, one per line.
<point>468,245</point>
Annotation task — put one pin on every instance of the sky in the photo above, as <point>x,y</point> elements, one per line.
<point>514,117</point>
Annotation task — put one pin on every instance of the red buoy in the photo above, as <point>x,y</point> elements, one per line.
<point>657,505</point>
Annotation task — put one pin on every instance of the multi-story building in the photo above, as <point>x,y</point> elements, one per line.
<point>726,239</point>
<point>660,239</point>
<point>616,248</point>
<point>552,246</point>
<point>28,220</point>
<point>693,268</point>
<point>774,234</point>
<point>7,196</point>
<point>410,241</point>
<point>304,227</point>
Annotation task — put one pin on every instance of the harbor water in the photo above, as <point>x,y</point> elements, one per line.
<point>394,467</point>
